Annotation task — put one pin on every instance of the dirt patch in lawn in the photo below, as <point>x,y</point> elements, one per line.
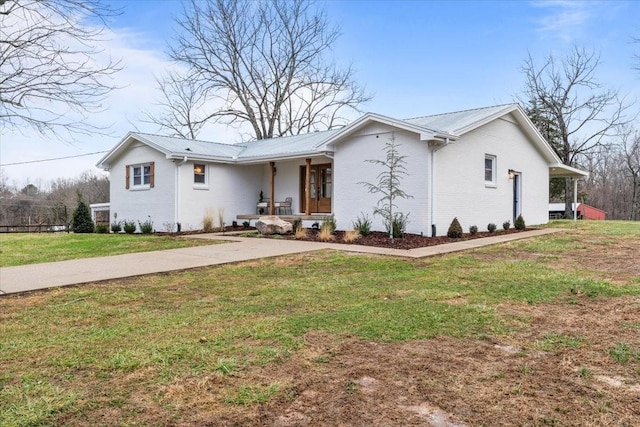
<point>557,370</point>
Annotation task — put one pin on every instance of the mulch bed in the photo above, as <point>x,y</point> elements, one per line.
<point>408,241</point>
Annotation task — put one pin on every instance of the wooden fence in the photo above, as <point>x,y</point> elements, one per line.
<point>34,228</point>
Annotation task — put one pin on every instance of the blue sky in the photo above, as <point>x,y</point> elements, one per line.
<point>417,58</point>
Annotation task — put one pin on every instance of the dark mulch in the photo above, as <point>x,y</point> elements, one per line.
<point>408,241</point>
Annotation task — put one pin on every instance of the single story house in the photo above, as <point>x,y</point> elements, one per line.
<point>556,211</point>
<point>485,165</point>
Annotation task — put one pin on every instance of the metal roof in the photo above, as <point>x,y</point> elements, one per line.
<point>458,121</point>
<point>287,145</point>
<point>187,147</point>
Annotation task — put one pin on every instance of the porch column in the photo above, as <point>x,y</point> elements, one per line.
<point>272,192</point>
<point>307,188</point>
<point>575,199</point>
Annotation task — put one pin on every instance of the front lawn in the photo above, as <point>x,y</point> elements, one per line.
<point>533,332</point>
<point>33,248</point>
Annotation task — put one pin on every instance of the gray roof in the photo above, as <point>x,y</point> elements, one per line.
<point>288,145</point>
<point>187,147</point>
<point>458,121</point>
<point>455,124</point>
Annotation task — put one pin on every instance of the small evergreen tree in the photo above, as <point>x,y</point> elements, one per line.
<point>82,222</point>
<point>519,223</point>
<point>389,186</point>
<point>455,229</point>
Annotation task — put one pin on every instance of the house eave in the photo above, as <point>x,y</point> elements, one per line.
<point>559,170</point>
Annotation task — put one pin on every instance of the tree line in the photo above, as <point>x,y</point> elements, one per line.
<point>53,204</point>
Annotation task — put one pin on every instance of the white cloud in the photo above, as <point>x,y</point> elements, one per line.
<point>565,18</point>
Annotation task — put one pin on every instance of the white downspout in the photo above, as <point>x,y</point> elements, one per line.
<point>432,187</point>
<point>177,192</point>
<point>575,199</point>
<point>432,191</point>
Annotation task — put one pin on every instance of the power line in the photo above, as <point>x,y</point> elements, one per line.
<point>55,158</point>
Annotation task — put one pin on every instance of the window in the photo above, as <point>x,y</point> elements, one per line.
<point>139,176</point>
<point>199,174</point>
<point>489,169</point>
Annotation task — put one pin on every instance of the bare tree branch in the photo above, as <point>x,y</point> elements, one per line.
<point>48,66</point>
<point>566,95</point>
<point>262,64</point>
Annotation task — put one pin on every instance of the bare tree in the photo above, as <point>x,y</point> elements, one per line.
<point>631,156</point>
<point>584,113</point>
<point>48,65</point>
<point>258,63</point>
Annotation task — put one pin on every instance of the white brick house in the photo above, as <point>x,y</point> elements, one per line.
<point>483,165</point>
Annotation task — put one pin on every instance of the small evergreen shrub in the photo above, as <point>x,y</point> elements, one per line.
<point>473,230</point>
<point>246,224</point>
<point>102,228</point>
<point>506,225</point>
<point>492,227</point>
<point>329,224</point>
<point>399,224</point>
<point>362,224</point>
<point>146,227</point>
<point>116,226</point>
<point>455,229</point>
<point>234,224</point>
<point>519,223</point>
<point>82,222</point>
<point>297,224</point>
<point>129,227</point>
<point>316,226</point>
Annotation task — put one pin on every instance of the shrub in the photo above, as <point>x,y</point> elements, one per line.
<point>492,227</point>
<point>473,230</point>
<point>398,224</point>
<point>329,224</point>
<point>351,236</point>
<point>207,221</point>
<point>519,223</point>
<point>506,225</point>
<point>300,233</point>
<point>146,227</point>
<point>102,228</point>
<point>234,224</point>
<point>315,226</point>
<point>455,229</point>
<point>116,226</point>
<point>129,227</point>
<point>221,219</point>
<point>362,224</point>
<point>246,224</point>
<point>82,222</point>
<point>325,234</point>
<point>297,224</point>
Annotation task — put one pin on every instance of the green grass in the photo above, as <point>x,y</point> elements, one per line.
<point>600,228</point>
<point>33,248</point>
<point>60,347</point>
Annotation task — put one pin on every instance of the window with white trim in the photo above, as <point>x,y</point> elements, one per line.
<point>199,174</point>
<point>140,176</point>
<point>490,169</point>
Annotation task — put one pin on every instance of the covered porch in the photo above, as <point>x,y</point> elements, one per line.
<point>560,170</point>
<point>296,188</point>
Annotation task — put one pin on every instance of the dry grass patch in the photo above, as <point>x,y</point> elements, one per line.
<point>351,236</point>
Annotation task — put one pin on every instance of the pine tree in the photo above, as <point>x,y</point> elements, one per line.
<point>82,222</point>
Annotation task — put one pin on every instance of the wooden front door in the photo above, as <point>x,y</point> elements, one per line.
<point>321,188</point>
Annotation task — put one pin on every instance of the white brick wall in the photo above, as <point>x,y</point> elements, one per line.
<point>155,203</point>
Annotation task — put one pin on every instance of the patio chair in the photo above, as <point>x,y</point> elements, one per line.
<point>284,207</point>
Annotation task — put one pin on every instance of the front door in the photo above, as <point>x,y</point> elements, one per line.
<point>517,194</point>
<point>321,188</point>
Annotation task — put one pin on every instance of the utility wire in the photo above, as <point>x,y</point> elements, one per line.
<point>50,160</point>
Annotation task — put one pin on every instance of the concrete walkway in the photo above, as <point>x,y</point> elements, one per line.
<point>47,275</point>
